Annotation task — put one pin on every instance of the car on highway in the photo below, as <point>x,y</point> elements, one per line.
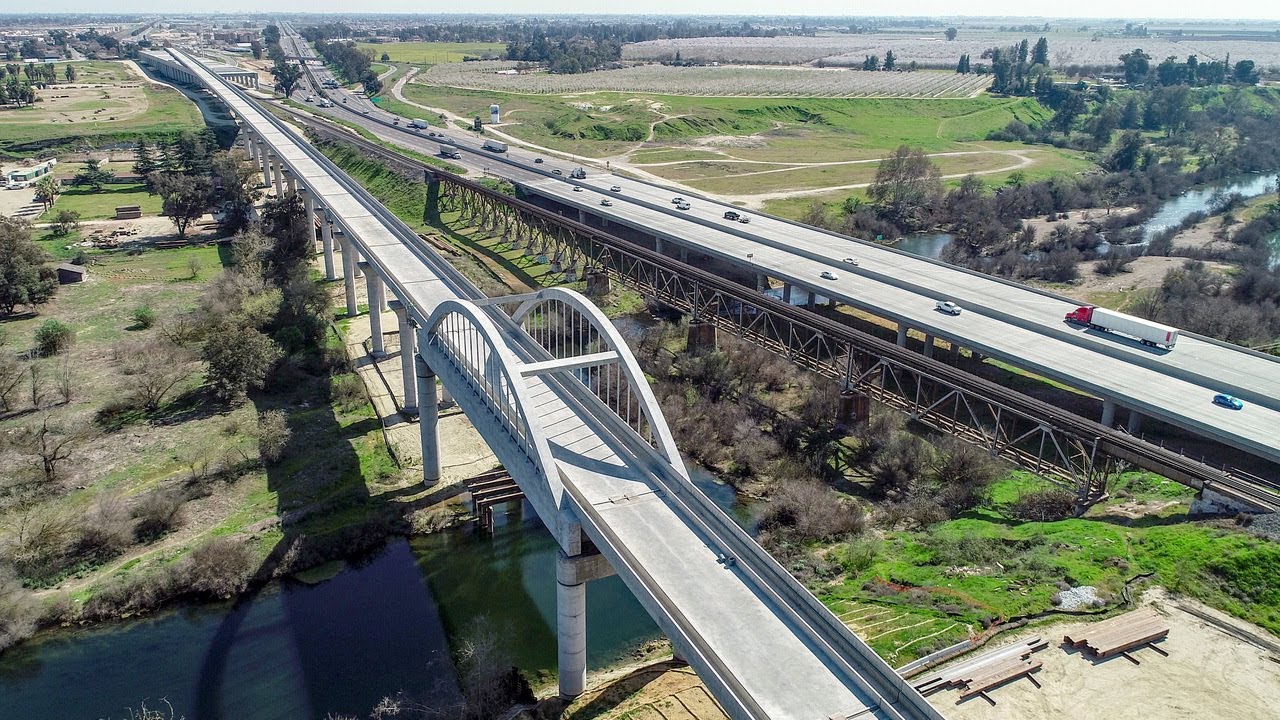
<point>366,112</point>
<point>731,215</point>
<point>577,188</point>
<point>431,134</point>
<point>827,275</point>
<point>344,101</point>
<point>396,121</point>
<point>947,307</point>
<point>744,219</point>
<point>677,200</point>
<point>614,188</point>
<point>683,206</point>
<point>537,161</point>
<point>850,261</point>
<point>557,171</point>
<point>606,202</point>
<point>311,98</point>
<point>1228,401</point>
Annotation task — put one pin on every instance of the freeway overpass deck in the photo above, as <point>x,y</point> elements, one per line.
<point>760,641</point>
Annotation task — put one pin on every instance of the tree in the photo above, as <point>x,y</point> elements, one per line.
<point>906,184</point>
<point>70,73</point>
<point>1071,107</point>
<point>890,60</point>
<point>92,176</point>
<point>1040,55</point>
<point>1245,73</point>
<point>51,444</point>
<point>1131,116</point>
<point>47,191</point>
<point>54,337</point>
<point>1128,151</point>
<point>871,63</point>
<point>239,359</point>
<point>962,67</point>
<point>371,84</point>
<point>386,57</point>
<point>1137,65</point>
<point>186,197</point>
<point>24,277</point>
<point>237,189</point>
<point>287,76</point>
<point>256,48</point>
<point>152,368</point>
<point>951,34</point>
<point>285,221</point>
<point>65,222</point>
<point>144,161</point>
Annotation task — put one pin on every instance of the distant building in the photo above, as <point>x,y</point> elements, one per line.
<point>26,175</point>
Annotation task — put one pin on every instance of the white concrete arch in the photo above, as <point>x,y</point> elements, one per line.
<point>663,440</point>
<point>460,341</point>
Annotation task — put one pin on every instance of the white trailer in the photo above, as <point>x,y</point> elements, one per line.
<point>495,146</point>
<point>1150,333</point>
<point>449,152</point>
<point>418,123</point>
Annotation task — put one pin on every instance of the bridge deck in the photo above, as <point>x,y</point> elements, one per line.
<point>1173,400</point>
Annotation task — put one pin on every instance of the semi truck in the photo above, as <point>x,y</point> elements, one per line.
<point>495,146</point>
<point>1149,333</point>
<point>579,174</point>
<point>449,152</point>
<point>418,123</point>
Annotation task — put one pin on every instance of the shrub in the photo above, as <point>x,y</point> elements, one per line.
<point>18,611</point>
<point>859,555</point>
<point>273,435</point>
<point>806,510</point>
<point>221,567</point>
<point>347,391</point>
<point>144,317</point>
<point>964,473</point>
<point>896,468</point>
<point>158,513</point>
<point>39,545</point>
<point>1043,505</point>
<point>53,337</point>
<point>106,531</point>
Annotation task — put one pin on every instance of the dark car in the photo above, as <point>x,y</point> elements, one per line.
<point>1228,401</point>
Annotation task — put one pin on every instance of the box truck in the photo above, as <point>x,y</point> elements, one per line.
<point>418,123</point>
<point>1149,333</point>
<point>495,146</point>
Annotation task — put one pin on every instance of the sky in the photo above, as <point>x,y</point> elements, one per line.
<point>1135,9</point>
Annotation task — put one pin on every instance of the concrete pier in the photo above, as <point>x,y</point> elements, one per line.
<point>428,420</point>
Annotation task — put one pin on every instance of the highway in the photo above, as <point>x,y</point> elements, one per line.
<point>1010,322</point>
<point>760,641</point>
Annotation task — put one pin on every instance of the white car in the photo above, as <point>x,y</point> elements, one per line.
<point>606,202</point>
<point>851,261</point>
<point>577,188</point>
<point>827,275</point>
<point>311,98</point>
<point>677,200</point>
<point>947,307</point>
<point>615,188</point>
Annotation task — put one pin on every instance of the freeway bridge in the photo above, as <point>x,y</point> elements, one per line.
<point>1016,324</point>
<point>553,389</point>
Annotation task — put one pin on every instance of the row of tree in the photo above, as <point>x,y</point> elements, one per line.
<point>572,55</point>
<point>350,63</point>
<point>1192,71</point>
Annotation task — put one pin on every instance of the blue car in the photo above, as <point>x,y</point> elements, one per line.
<point>1228,401</point>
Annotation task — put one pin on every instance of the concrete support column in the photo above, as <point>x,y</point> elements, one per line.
<point>428,420</point>
<point>684,255</point>
<point>290,180</point>
<point>571,632</point>
<point>902,335</point>
<point>582,216</point>
<point>326,239</point>
<point>309,202</point>
<point>408,351</point>
<point>277,174</point>
<point>373,285</point>
<point>1135,422</point>
<point>659,245</point>
<point>762,282</point>
<point>928,346</point>
<point>349,275</point>
<point>1108,412</point>
<point>356,258</point>
<point>812,302</point>
<point>786,293</point>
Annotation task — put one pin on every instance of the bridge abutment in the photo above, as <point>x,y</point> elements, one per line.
<point>428,420</point>
<point>701,337</point>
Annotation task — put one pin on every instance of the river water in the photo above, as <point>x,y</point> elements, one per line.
<point>1170,213</point>
<point>303,651</point>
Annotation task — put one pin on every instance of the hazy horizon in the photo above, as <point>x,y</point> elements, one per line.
<point>1170,10</point>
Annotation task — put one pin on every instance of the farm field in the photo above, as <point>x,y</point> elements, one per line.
<point>933,49</point>
<point>106,102</point>
<point>431,53</point>
<point>712,81</point>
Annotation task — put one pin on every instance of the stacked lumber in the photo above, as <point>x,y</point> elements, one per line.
<point>986,672</point>
<point>128,212</point>
<point>1120,634</point>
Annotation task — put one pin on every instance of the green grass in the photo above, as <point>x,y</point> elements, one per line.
<point>984,566</point>
<point>57,122</point>
<point>102,204</point>
<point>432,53</point>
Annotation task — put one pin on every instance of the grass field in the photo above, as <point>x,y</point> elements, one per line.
<point>102,205</point>
<point>959,575</point>
<point>108,104</point>
<point>431,53</point>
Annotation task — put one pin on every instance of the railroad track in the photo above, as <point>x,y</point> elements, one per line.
<point>1257,492</point>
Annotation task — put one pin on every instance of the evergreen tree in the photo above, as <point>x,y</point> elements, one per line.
<point>1040,55</point>
<point>889,60</point>
<point>144,160</point>
<point>962,67</point>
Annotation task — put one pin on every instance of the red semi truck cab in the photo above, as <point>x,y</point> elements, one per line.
<point>1082,314</point>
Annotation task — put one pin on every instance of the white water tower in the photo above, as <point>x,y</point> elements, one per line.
<point>493,114</point>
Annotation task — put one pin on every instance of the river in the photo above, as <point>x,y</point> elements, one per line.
<point>296,650</point>
<point>1170,213</point>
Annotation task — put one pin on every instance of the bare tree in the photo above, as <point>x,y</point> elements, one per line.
<point>153,367</point>
<point>36,386</point>
<point>49,444</point>
<point>11,376</point>
<point>64,379</point>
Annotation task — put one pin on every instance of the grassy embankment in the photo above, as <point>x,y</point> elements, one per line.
<point>911,592</point>
<point>123,108</point>
<point>101,205</point>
